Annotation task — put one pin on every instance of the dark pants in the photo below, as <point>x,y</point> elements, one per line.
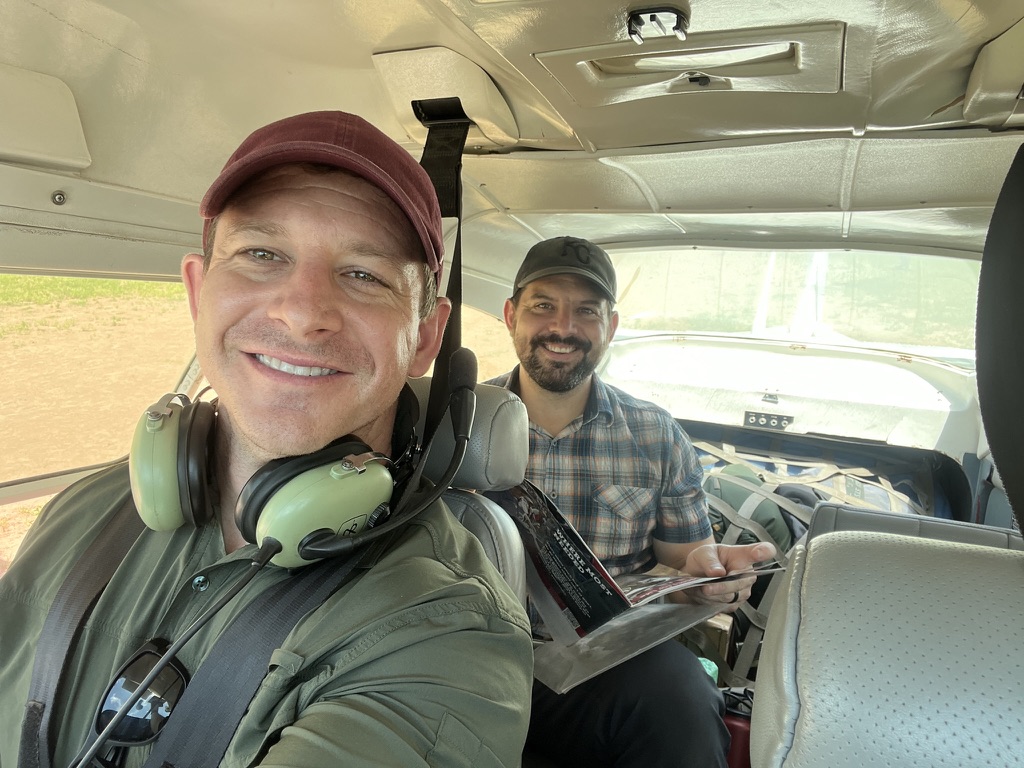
<point>657,710</point>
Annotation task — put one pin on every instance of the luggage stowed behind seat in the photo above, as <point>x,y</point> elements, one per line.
<point>877,476</point>
<point>891,480</point>
<point>764,487</point>
<point>781,526</point>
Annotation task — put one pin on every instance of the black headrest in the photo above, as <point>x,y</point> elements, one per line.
<point>1000,323</point>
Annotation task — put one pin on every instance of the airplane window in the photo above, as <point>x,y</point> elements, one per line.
<point>83,358</point>
<point>915,303</point>
<point>69,343</point>
<point>488,337</point>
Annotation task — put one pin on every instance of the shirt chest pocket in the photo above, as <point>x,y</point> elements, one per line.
<point>625,501</point>
<point>625,518</point>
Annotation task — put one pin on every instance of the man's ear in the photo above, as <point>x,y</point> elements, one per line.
<point>613,325</point>
<point>192,273</point>
<point>510,315</point>
<point>431,333</point>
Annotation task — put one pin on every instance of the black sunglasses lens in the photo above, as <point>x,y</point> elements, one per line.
<point>145,719</point>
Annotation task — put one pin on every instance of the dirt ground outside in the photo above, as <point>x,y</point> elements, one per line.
<point>78,378</point>
<point>75,374</point>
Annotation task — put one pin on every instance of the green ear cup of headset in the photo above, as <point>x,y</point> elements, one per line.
<point>152,466</point>
<point>339,497</point>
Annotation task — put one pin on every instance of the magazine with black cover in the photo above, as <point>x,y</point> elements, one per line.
<point>594,621</point>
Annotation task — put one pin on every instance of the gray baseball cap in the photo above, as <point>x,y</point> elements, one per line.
<point>568,256</point>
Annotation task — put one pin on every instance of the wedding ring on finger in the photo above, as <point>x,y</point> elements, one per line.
<point>735,598</point>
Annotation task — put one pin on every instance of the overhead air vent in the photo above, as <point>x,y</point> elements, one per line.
<point>720,62</point>
<point>801,59</point>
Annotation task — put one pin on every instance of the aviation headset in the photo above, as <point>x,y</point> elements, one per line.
<point>339,490</point>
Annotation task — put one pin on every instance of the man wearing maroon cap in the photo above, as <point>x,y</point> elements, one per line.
<point>626,476</point>
<point>313,302</point>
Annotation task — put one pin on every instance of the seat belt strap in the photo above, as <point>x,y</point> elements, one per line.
<point>229,676</point>
<point>447,130</point>
<point>75,597</point>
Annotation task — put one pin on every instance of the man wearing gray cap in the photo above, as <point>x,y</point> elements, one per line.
<point>626,476</point>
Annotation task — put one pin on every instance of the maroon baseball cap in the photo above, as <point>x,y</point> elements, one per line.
<point>345,141</point>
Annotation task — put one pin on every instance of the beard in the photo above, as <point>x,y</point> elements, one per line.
<point>556,376</point>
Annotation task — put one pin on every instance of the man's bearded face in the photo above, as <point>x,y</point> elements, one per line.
<point>558,375</point>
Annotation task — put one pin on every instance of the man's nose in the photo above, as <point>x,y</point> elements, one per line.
<point>308,301</point>
<point>564,321</point>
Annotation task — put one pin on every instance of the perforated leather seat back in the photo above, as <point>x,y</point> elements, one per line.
<point>894,649</point>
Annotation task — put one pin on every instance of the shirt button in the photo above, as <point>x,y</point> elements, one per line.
<point>553,494</point>
<point>200,584</point>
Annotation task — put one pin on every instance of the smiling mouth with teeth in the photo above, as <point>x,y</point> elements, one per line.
<point>560,349</point>
<point>295,370</point>
<point>562,346</point>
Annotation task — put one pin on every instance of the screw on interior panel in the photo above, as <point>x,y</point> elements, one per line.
<point>58,198</point>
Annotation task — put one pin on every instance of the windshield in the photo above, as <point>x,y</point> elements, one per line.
<point>910,303</point>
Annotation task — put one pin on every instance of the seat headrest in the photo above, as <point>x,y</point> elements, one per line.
<point>499,445</point>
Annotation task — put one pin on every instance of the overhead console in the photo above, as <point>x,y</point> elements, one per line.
<point>796,59</point>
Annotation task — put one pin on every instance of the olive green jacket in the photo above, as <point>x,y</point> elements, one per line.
<point>424,659</point>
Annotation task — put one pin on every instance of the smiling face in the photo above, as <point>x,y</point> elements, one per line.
<point>561,327</point>
<point>307,317</point>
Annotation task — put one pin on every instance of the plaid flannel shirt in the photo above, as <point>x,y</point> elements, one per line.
<point>624,473</point>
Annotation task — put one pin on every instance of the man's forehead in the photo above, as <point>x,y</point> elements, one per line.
<point>233,226</point>
<point>246,213</point>
<point>565,286</point>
